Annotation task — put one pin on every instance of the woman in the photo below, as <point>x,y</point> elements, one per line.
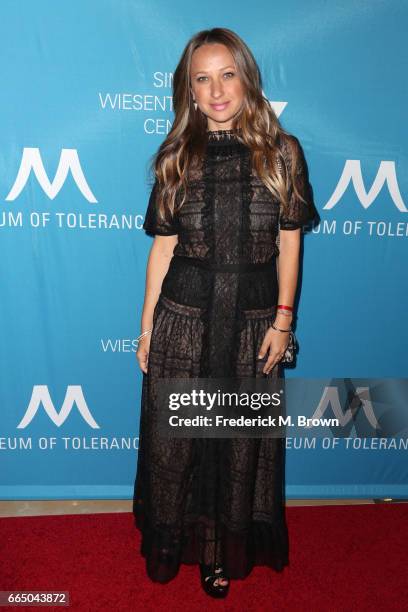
<point>230,194</point>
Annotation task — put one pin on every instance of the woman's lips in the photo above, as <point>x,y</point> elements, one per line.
<point>219,107</point>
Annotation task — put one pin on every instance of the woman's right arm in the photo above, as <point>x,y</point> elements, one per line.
<point>158,263</point>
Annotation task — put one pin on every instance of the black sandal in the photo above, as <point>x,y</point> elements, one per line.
<point>209,574</point>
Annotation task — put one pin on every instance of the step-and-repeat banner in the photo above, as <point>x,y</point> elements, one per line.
<point>86,102</point>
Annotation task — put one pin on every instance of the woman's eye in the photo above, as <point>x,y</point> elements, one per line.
<point>228,75</point>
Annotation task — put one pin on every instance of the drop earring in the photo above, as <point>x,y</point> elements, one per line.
<point>195,105</point>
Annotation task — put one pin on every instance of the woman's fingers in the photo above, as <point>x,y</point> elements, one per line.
<point>143,365</point>
<point>143,358</point>
<point>275,354</point>
<point>265,346</point>
<point>271,362</point>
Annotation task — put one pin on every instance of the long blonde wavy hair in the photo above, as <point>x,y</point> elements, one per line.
<point>261,131</point>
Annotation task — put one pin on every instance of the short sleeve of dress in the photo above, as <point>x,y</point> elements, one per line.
<point>153,223</point>
<point>298,213</point>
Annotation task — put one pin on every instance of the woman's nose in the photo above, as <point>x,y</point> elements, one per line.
<point>216,89</point>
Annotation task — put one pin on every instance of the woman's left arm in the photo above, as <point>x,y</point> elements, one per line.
<point>300,211</point>
<point>288,271</point>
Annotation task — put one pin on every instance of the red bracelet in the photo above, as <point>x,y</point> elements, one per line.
<point>285,307</point>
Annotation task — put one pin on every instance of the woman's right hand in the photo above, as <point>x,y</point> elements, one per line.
<point>142,352</point>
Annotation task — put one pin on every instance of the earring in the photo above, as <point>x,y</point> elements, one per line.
<point>195,105</point>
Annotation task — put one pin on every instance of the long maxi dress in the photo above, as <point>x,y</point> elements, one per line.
<point>200,500</point>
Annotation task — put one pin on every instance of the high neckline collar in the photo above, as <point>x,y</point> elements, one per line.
<point>223,135</point>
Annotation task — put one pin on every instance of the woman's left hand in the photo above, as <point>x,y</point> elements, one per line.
<point>276,342</point>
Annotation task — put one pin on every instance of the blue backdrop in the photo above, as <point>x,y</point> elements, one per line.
<point>86,101</point>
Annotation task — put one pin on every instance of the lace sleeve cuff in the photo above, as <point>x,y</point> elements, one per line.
<point>153,224</point>
<point>299,213</point>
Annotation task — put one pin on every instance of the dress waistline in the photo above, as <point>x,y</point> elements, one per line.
<point>218,267</point>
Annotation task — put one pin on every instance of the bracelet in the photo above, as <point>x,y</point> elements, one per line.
<point>281,308</point>
<point>281,330</point>
<point>143,334</point>
<point>285,314</point>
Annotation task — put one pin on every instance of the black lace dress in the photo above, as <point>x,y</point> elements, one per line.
<point>206,500</point>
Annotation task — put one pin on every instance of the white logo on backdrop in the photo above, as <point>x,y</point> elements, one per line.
<point>330,398</point>
<point>352,172</point>
<point>69,161</point>
<point>41,396</point>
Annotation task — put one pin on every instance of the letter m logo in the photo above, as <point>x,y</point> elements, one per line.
<point>352,173</point>
<point>41,396</point>
<point>69,161</point>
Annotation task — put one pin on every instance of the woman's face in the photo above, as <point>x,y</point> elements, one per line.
<point>216,86</point>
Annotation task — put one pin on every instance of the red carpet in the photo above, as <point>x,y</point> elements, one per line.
<point>342,558</point>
